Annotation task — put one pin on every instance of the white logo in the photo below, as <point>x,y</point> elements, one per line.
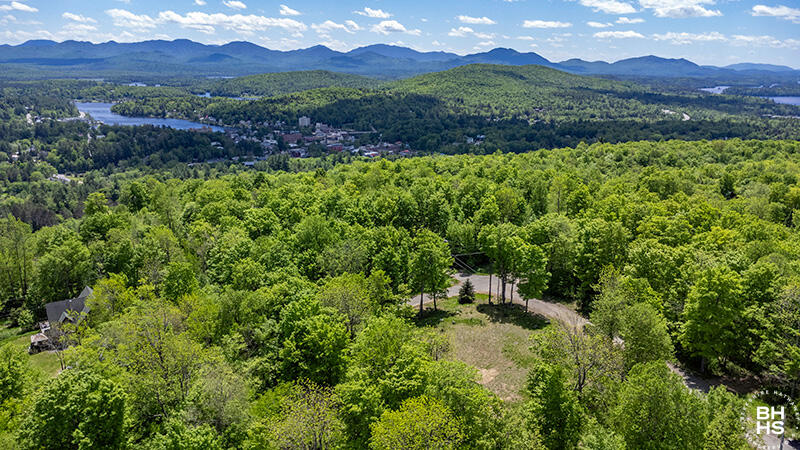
<point>769,419</point>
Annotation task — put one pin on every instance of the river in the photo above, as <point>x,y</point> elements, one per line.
<point>101,112</point>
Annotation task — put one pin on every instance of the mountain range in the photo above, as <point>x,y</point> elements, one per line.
<point>44,58</point>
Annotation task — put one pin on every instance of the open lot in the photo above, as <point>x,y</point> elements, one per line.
<point>493,338</point>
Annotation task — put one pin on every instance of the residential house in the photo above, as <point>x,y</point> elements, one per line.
<point>71,311</point>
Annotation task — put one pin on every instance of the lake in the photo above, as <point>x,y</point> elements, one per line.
<point>715,89</point>
<point>101,112</point>
<point>786,100</point>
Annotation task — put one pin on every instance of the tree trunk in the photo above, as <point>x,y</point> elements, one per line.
<point>421,294</point>
<point>504,290</point>
<point>490,288</point>
<point>702,364</point>
<point>512,292</point>
<point>526,305</point>
<point>434,301</point>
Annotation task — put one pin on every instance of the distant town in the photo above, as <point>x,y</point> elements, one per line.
<point>306,140</point>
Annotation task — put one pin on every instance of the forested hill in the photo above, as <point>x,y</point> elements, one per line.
<point>489,89</point>
<point>515,107</point>
<point>531,93</point>
<point>272,84</point>
<point>541,93</point>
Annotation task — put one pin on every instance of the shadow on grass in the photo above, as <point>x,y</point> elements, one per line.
<point>514,314</point>
<point>432,318</point>
<point>556,299</point>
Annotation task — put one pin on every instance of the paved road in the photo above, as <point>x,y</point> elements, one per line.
<point>481,282</point>
<point>560,312</point>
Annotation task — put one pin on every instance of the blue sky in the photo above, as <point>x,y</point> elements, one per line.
<point>716,32</point>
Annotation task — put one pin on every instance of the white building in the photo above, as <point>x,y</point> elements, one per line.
<point>304,122</point>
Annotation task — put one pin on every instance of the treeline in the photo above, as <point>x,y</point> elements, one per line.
<point>77,147</point>
<point>280,83</point>
<point>267,309</point>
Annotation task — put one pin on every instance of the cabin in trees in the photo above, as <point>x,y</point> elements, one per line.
<point>71,311</point>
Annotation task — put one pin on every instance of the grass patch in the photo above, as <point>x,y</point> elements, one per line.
<point>47,362</point>
<point>8,333</point>
<point>495,339</point>
<point>514,314</point>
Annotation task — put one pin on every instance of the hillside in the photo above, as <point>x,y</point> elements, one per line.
<point>534,91</point>
<point>273,84</point>
<point>515,107</point>
<point>541,93</point>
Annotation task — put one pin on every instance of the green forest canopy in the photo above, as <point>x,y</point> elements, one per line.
<point>262,309</point>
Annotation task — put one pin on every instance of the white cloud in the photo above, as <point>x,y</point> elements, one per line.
<point>678,9</point>
<point>79,29</point>
<point>78,18</point>
<point>483,44</point>
<point>460,32</point>
<point>690,38</point>
<point>599,24</point>
<point>618,35</point>
<point>467,31</point>
<point>393,26</point>
<point>609,6</point>
<point>525,38</point>
<point>286,11</point>
<point>764,41</point>
<point>206,23</point>
<point>326,27</point>
<point>17,6</point>
<point>126,19</point>
<point>784,12</point>
<point>476,20</point>
<point>629,21</point>
<point>373,13</point>
<point>200,2</point>
<point>234,4</point>
<point>545,24</point>
<point>243,24</point>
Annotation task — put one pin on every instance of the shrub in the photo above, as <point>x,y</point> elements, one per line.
<point>466,294</point>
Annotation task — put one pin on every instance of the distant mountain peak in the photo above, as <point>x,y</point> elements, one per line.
<point>186,57</point>
<point>38,43</point>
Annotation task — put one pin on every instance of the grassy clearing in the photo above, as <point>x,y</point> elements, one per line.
<point>8,333</point>
<point>495,339</point>
<point>47,362</point>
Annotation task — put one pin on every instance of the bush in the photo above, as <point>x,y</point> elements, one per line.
<point>23,318</point>
<point>466,294</point>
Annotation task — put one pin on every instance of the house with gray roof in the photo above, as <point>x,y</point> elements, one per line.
<point>68,310</point>
<point>71,310</point>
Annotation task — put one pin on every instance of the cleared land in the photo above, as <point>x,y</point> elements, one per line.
<point>495,339</point>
